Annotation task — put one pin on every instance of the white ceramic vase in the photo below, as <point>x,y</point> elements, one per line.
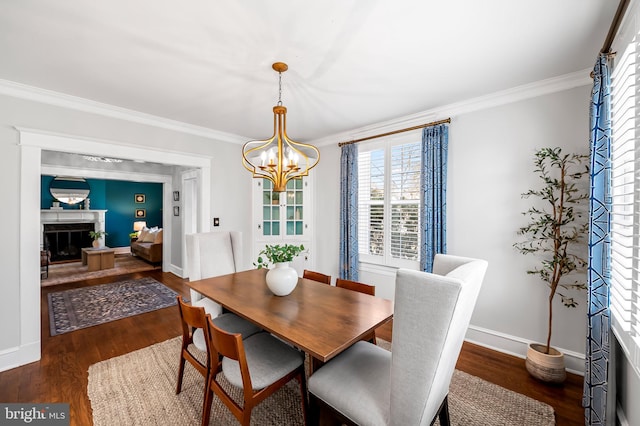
<point>282,279</point>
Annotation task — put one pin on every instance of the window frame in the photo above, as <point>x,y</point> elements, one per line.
<point>386,259</point>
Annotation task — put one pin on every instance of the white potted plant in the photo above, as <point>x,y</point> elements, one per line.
<point>556,235</point>
<point>282,279</point>
<point>97,238</point>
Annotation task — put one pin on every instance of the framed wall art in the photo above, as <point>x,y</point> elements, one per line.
<point>141,213</point>
<point>140,198</point>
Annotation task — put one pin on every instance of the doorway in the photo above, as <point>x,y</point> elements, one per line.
<point>189,212</point>
<point>32,142</point>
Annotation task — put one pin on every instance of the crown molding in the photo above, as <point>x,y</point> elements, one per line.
<point>23,91</point>
<point>518,93</point>
<point>504,97</point>
<point>62,142</point>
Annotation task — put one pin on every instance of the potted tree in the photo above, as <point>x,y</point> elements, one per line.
<point>556,235</point>
<point>282,279</point>
<point>96,236</point>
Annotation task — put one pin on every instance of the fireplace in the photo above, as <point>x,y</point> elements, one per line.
<point>66,240</point>
<point>66,232</point>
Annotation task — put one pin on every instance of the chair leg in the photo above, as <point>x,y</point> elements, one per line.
<point>180,372</point>
<point>314,411</point>
<point>443,414</point>
<point>303,391</point>
<point>206,406</point>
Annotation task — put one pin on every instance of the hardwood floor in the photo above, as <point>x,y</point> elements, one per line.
<point>61,374</point>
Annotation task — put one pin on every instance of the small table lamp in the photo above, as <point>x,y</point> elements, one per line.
<point>139,225</point>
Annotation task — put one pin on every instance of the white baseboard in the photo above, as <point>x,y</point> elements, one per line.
<point>19,355</point>
<point>517,346</point>
<point>622,419</point>
<point>175,270</point>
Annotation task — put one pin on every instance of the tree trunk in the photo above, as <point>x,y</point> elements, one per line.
<point>548,347</point>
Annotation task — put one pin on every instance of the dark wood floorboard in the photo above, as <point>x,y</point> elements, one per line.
<point>61,374</point>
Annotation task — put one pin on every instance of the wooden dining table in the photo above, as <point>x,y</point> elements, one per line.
<point>320,319</point>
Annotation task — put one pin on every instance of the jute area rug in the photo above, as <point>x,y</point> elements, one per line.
<point>139,389</point>
<point>84,307</point>
<point>63,273</point>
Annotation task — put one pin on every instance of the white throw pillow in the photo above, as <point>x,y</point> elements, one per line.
<point>150,236</point>
<point>143,233</point>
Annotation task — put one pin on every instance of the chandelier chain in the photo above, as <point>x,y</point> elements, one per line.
<point>279,89</point>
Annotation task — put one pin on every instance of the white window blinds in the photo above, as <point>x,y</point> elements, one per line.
<point>404,203</point>
<point>625,181</point>
<point>388,202</point>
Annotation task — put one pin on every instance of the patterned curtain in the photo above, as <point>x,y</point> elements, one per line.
<point>349,212</point>
<point>594,397</point>
<point>433,184</point>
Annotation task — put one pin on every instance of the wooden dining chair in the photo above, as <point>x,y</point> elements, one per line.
<point>193,320</point>
<point>356,286</point>
<point>360,288</point>
<point>259,365</point>
<point>316,276</point>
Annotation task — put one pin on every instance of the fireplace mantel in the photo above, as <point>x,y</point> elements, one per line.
<point>73,216</point>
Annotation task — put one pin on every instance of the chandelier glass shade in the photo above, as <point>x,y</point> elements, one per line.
<point>279,158</point>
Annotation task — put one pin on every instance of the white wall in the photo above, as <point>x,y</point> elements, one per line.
<point>235,214</point>
<point>490,165</point>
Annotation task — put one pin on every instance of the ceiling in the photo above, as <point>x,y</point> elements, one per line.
<point>352,63</point>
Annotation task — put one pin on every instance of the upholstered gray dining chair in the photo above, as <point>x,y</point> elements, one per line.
<point>210,254</point>
<point>367,385</point>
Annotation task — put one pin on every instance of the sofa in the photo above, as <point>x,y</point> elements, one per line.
<point>148,246</point>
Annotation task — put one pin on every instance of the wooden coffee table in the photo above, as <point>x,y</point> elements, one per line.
<point>98,258</point>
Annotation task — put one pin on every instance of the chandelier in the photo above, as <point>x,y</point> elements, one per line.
<point>279,158</point>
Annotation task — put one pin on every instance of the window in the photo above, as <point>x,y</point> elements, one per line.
<point>625,182</point>
<point>388,202</point>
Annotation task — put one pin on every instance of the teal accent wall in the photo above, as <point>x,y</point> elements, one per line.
<point>117,197</point>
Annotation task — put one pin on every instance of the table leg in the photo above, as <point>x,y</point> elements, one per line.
<point>93,262</point>
<point>107,260</point>
<point>314,364</point>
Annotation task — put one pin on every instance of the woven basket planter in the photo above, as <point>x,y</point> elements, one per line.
<point>545,367</point>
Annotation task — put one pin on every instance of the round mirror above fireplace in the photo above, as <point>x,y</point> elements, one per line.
<point>70,190</point>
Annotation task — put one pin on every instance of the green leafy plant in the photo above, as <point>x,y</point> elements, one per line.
<point>133,234</point>
<point>557,231</point>
<point>277,254</point>
<point>96,235</point>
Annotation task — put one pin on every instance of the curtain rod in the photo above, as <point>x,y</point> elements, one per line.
<point>433,123</point>
<point>615,24</point>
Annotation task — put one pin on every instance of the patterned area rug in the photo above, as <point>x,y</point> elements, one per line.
<point>83,307</point>
<point>139,389</point>
<point>63,273</point>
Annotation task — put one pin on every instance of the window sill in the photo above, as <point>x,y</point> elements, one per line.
<point>378,268</point>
